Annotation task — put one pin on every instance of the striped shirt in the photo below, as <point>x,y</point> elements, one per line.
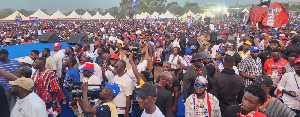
<point>45,83</point>
<point>276,108</point>
<point>8,67</point>
<point>250,67</point>
<point>289,68</point>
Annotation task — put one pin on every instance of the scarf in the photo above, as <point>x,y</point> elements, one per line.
<point>228,71</point>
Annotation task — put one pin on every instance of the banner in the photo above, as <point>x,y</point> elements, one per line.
<point>276,16</point>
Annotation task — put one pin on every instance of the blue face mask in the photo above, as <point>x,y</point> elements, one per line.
<point>199,85</point>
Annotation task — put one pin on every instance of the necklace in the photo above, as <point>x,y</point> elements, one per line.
<point>150,115</point>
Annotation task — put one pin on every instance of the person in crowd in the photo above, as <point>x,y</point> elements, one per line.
<point>96,46</point>
<point>294,47</point>
<point>99,59</point>
<point>219,57</point>
<point>173,60</point>
<point>164,97</point>
<point>28,104</point>
<point>273,67</point>
<point>289,86</point>
<point>50,62</point>
<point>246,49</point>
<point>78,51</point>
<point>123,100</point>
<point>90,57</point>
<point>193,72</point>
<point>23,71</point>
<point>268,53</point>
<point>202,103</point>
<point>193,44</point>
<point>147,97</point>
<point>48,90</point>
<point>106,107</point>
<point>72,74</point>
<point>251,66</point>
<point>290,66</point>
<point>58,57</point>
<point>26,40</point>
<point>34,54</point>
<point>89,75</point>
<point>7,65</point>
<point>272,107</point>
<point>253,98</point>
<point>4,108</point>
<point>167,49</point>
<point>68,53</point>
<point>226,82</point>
<point>186,62</point>
<point>86,47</point>
<point>224,41</point>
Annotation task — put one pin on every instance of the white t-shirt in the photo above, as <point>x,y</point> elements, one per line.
<point>95,80</point>
<point>141,67</point>
<point>30,106</point>
<point>156,113</point>
<point>126,87</point>
<point>58,59</point>
<point>173,61</point>
<point>109,75</point>
<point>212,27</point>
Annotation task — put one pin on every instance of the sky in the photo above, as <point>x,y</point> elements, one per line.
<point>68,5</point>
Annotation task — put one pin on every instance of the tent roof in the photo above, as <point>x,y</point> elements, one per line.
<point>86,15</point>
<point>13,16</point>
<point>190,13</point>
<point>167,15</point>
<point>40,14</point>
<point>57,15</point>
<point>226,12</point>
<point>97,16</point>
<point>207,13</point>
<point>245,10</point>
<point>155,15</point>
<point>73,15</point>
<point>108,16</point>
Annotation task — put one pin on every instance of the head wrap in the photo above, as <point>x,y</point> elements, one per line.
<point>201,79</point>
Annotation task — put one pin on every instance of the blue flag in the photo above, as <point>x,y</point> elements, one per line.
<point>134,3</point>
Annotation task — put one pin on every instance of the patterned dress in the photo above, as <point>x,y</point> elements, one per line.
<point>190,110</point>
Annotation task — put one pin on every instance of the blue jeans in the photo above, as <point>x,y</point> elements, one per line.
<point>297,112</point>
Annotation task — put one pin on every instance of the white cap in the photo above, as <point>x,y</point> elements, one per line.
<point>26,59</point>
<point>281,35</point>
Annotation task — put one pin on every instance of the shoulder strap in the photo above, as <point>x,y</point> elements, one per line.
<point>113,109</point>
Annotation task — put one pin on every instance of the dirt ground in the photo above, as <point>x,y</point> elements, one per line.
<point>157,71</point>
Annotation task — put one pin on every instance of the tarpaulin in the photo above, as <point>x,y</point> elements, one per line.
<point>276,16</point>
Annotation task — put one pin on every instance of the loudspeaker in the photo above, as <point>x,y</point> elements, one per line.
<point>48,38</point>
<point>78,37</point>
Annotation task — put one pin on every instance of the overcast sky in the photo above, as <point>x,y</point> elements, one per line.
<point>68,5</point>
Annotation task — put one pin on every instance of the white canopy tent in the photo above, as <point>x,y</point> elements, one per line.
<point>73,15</point>
<point>108,16</point>
<point>155,15</point>
<point>207,13</point>
<point>57,15</point>
<point>97,16</point>
<point>167,15</point>
<point>245,10</point>
<point>226,12</point>
<point>86,15</point>
<point>13,16</point>
<point>40,14</point>
<point>139,16</point>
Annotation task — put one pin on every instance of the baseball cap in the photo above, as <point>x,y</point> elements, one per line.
<point>88,66</point>
<point>196,57</point>
<point>254,48</point>
<point>114,87</point>
<point>293,32</point>
<point>147,89</point>
<point>297,60</point>
<point>224,32</point>
<point>285,38</point>
<point>23,69</point>
<point>248,43</point>
<point>3,51</point>
<point>56,45</point>
<point>26,83</point>
<point>188,50</point>
<point>26,60</point>
<point>221,52</point>
<point>204,54</point>
<point>114,56</point>
<point>264,80</point>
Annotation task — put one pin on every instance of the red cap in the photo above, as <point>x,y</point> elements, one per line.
<point>280,31</point>
<point>114,56</point>
<point>146,34</point>
<point>224,32</point>
<point>266,35</point>
<point>285,38</point>
<point>133,36</point>
<point>56,45</point>
<point>89,67</point>
<point>124,35</point>
<point>297,60</point>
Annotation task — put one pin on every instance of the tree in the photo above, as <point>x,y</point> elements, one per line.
<point>174,8</point>
<point>193,7</point>
<point>125,8</point>
<point>45,11</point>
<point>25,12</point>
<point>6,12</point>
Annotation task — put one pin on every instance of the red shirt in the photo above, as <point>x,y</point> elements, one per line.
<point>161,40</point>
<point>269,64</point>
<point>26,42</point>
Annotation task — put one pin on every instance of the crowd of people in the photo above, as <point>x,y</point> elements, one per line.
<point>255,75</point>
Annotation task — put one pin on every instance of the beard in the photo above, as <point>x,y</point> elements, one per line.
<point>200,94</point>
<point>167,87</point>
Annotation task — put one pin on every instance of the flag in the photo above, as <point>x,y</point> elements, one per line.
<point>191,22</point>
<point>19,18</point>
<point>134,3</point>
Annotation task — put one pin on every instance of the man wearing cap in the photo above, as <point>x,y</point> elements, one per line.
<point>105,108</point>
<point>58,56</point>
<point>50,62</point>
<point>294,47</point>
<point>245,53</point>
<point>268,53</point>
<point>167,49</point>
<point>193,44</point>
<point>272,107</point>
<point>193,72</point>
<point>289,86</point>
<point>28,104</point>
<point>228,81</point>
<point>89,56</point>
<point>89,76</point>
<point>251,66</point>
<point>133,42</point>
<point>219,57</point>
<point>201,103</point>
<point>224,41</point>
<point>7,65</point>
<point>48,89</point>
<point>147,97</point>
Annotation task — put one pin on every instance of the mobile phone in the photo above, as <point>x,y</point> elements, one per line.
<point>104,64</point>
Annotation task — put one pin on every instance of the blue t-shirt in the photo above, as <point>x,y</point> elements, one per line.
<point>73,73</point>
<point>193,44</point>
<point>8,67</point>
<point>219,62</point>
<point>103,111</point>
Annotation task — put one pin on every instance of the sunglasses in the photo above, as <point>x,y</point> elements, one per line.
<point>199,85</point>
